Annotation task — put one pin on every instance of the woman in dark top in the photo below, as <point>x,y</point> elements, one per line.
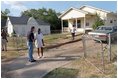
<point>30,38</point>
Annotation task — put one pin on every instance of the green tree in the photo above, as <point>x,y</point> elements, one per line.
<point>5,13</point>
<point>47,15</point>
<point>98,21</point>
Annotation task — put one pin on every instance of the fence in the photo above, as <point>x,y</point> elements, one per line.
<point>98,53</point>
<point>20,42</point>
<point>17,43</point>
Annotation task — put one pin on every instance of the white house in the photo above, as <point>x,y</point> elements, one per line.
<point>21,25</point>
<point>84,17</point>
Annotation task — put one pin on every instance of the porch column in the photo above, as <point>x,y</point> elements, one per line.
<point>76,23</point>
<point>84,24</point>
<point>68,26</point>
<point>62,26</point>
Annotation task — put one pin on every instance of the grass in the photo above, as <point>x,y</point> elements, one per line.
<point>54,38</point>
<point>17,42</point>
<point>9,55</point>
<point>13,44</point>
<point>62,73</point>
<point>86,70</point>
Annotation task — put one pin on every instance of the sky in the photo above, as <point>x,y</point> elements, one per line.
<point>16,7</point>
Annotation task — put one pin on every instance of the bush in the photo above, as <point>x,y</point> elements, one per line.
<point>98,22</point>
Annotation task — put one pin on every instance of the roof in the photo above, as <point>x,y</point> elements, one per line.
<point>72,9</point>
<point>41,22</point>
<point>24,20</point>
<point>19,20</point>
<point>80,10</point>
<point>3,22</point>
<point>94,8</point>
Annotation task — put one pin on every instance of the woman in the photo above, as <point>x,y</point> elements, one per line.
<point>39,43</point>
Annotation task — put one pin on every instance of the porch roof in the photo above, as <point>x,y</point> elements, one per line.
<point>65,12</point>
<point>76,15</point>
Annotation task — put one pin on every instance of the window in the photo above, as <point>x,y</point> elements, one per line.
<point>87,24</point>
<point>78,23</point>
<point>111,21</point>
<point>115,28</point>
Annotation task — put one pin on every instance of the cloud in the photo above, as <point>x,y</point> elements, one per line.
<point>16,5</point>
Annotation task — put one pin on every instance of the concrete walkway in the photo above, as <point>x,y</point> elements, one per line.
<point>54,58</point>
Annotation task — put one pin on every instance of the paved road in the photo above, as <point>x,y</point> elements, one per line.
<point>54,58</point>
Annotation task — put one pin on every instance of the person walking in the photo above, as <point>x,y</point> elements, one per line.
<point>30,39</point>
<point>4,40</point>
<point>72,30</point>
<point>39,43</point>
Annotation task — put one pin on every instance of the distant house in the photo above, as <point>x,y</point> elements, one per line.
<point>21,25</point>
<point>84,17</point>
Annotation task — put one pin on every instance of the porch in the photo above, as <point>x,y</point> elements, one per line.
<point>81,19</point>
<point>81,24</point>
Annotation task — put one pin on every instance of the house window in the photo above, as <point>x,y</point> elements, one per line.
<point>78,23</point>
<point>111,21</point>
<point>87,24</point>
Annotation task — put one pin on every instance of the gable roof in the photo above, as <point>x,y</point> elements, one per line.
<point>94,8</point>
<point>3,23</point>
<point>19,20</point>
<point>24,19</point>
<point>80,10</point>
<point>72,8</point>
<point>41,22</point>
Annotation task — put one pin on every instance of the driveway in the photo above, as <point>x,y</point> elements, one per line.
<point>54,58</point>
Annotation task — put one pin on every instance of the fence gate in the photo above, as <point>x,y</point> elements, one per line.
<point>95,52</point>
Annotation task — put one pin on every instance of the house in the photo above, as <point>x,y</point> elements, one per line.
<point>84,17</point>
<point>21,25</point>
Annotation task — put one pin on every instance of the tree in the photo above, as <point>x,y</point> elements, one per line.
<point>5,13</point>
<point>98,21</point>
<point>47,15</point>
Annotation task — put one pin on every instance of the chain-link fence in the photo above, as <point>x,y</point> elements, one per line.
<point>99,53</point>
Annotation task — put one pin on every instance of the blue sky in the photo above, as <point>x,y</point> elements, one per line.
<point>16,7</point>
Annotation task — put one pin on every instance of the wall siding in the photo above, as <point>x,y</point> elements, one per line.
<point>23,29</point>
<point>9,27</point>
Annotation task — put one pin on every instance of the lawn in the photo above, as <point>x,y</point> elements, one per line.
<point>62,73</point>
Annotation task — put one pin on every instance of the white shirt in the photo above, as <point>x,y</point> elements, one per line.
<point>72,30</point>
<point>38,41</point>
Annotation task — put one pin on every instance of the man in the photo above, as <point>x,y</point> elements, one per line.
<point>30,39</point>
<point>72,30</point>
<point>4,40</point>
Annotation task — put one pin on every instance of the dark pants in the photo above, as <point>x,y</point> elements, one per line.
<point>73,35</point>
